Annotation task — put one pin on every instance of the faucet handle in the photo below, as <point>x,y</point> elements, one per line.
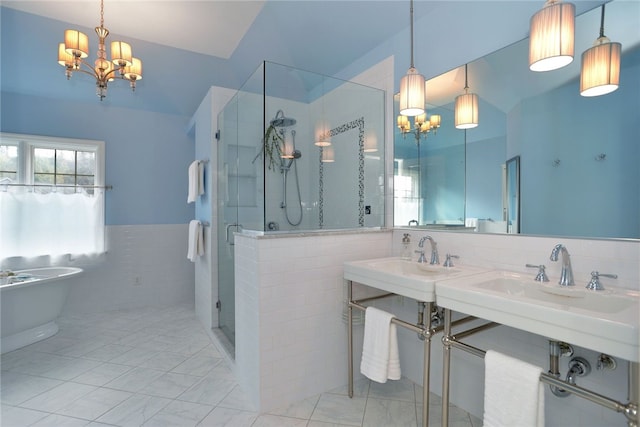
<point>594,284</point>
<point>542,275</point>
<point>421,258</point>
<point>448,262</point>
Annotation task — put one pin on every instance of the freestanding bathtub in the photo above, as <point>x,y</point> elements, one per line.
<point>31,301</point>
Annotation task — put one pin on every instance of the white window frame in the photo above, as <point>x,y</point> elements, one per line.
<point>27,143</point>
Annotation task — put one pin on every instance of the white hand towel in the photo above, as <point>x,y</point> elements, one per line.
<point>380,360</point>
<point>194,180</point>
<point>513,392</point>
<point>195,246</point>
<point>201,178</point>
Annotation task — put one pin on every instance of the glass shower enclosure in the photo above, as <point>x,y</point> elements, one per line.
<point>298,151</point>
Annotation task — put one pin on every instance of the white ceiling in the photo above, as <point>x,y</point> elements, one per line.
<point>210,27</point>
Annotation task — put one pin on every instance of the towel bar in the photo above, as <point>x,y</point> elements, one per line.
<point>630,410</point>
<point>423,330</point>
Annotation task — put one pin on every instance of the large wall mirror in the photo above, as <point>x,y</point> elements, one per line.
<point>578,157</point>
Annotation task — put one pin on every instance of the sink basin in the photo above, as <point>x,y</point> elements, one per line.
<point>605,321</point>
<point>402,277</point>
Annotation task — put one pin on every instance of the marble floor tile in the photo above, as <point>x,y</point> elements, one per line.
<point>135,411</point>
<point>12,416</point>
<point>95,404</point>
<point>209,390</point>
<point>335,408</point>
<point>68,369</point>
<point>58,397</point>
<point>164,361</point>
<point>108,352</point>
<point>170,385</point>
<point>401,389</point>
<point>135,379</point>
<point>389,413</point>
<point>237,399</point>
<point>197,365</point>
<point>301,409</point>
<point>16,388</point>
<point>227,417</point>
<point>157,367</point>
<point>102,374</point>
<point>55,420</point>
<point>267,420</point>
<point>179,414</point>
<point>134,357</point>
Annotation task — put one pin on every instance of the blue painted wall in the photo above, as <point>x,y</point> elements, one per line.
<point>147,153</point>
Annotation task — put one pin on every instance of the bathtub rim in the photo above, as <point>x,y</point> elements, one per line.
<point>72,271</point>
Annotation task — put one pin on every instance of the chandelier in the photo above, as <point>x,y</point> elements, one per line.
<point>421,125</point>
<point>74,50</point>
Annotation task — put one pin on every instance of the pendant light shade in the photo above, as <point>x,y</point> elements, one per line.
<point>600,72</point>
<point>551,36</point>
<point>412,93</point>
<point>466,107</point>
<point>412,85</point>
<point>466,111</point>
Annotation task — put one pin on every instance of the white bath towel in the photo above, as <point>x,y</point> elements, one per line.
<point>513,392</point>
<point>196,181</point>
<point>195,247</point>
<point>380,357</point>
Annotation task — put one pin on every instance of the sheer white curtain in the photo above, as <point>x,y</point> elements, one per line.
<point>35,224</point>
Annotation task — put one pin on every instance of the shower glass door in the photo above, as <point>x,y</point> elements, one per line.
<point>227,204</point>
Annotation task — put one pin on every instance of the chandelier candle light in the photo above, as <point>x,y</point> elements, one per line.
<point>600,73</point>
<point>412,85</point>
<point>123,65</point>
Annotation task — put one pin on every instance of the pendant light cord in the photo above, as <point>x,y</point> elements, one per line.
<point>602,23</point>
<point>466,84</point>
<point>411,25</point>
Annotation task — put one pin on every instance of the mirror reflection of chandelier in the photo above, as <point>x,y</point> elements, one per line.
<point>421,125</point>
<point>123,65</point>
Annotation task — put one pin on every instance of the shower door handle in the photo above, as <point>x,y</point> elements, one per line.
<point>227,234</point>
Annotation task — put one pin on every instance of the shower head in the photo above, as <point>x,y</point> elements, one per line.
<point>281,121</point>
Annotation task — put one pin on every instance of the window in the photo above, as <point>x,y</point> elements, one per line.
<point>51,196</point>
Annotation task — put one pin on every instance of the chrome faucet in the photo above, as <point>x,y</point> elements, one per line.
<point>435,259</point>
<point>566,275</point>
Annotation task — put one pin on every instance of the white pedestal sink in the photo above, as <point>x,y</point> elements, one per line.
<point>605,321</point>
<point>402,277</point>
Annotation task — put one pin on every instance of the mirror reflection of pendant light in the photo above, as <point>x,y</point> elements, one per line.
<point>412,85</point>
<point>466,108</point>
<point>323,133</point>
<point>327,155</point>
<point>600,73</point>
<point>551,36</point>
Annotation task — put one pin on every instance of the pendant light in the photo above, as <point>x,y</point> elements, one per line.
<point>412,85</point>
<point>551,36</point>
<point>600,73</point>
<point>466,107</point>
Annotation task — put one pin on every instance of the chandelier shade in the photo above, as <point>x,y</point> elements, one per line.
<point>600,70</point>
<point>75,48</point>
<point>121,54</point>
<point>76,43</point>
<point>551,36</point>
